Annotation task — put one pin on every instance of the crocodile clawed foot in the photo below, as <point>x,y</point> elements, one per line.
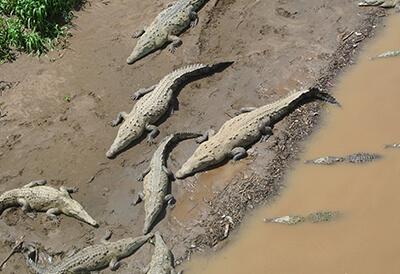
<point>172,48</point>
<point>194,23</point>
<point>135,97</point>
<point>264,138</point>
<point>151,141</point>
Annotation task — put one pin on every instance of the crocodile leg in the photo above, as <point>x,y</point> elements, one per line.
<point>205,136</point>
<point>139,198</point>
<point>139,33</point>
<point>35,183</point>
<point>106,237</point>
<point>154,131</point>
<point>120,117</point>
<point>114,264</point>
<point>24,205</point>
<point>144,173</point>
<point>53,212</point>
<point>171,4</point>
<point>67,190</point>
<point>170,200</point>
<point>238,153</point>
<point>265,130</point>
<point>245,109</point>
<point>175,42</point>
<point>194,18</point>
<point>139,93</point>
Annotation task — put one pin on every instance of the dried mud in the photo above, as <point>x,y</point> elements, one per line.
<point>54,123</point>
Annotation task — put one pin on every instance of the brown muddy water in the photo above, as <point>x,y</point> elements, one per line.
<point>365,239</point>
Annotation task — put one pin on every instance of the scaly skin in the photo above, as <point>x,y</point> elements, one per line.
<point>315,217</point>
<point>95,257</point>
<point>356,158</point>
<point>166,26</point>
<point>162,261</point>
<point>157,179</point>
<point>154,104</point>
<point>244,130</point>
<point>35,196</point>
<point>380,3</point>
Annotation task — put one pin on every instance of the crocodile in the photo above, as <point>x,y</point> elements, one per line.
<point>153,103</point>
<point>164,29</point>
<point>315,217</point>
<point>387,54</point>
<point>36,196</point>
<point>380,3</point>
<point>240,132</point>
<point>156,180</point>
<point>393,146</point>
<point>355,158</point>
<point>162,261</point>
<point>93,258</point>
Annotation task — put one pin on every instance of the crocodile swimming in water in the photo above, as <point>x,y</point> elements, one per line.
<point>393,145</point>
<point>164,29</point>
<point>94,257</point>
<point>156,179</point>
<point>315,217</point>
<point>162,261</point>
<point>153,103</point>
<point>355,158</point>
<point>242,131</point>
<point>380,3</point>
<point>35,196</point>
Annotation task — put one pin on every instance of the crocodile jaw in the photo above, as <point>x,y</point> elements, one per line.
<point>140,51</point>
<point>126,136</point>
<point>196,164</point>
<point>74,209</point>
<point>115,148</point>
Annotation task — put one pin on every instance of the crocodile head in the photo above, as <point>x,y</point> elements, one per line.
<point>74,209</point>
<point>141,50</point>
<point>126,135</point>
<point>199,161</point>
<point>128,246</point>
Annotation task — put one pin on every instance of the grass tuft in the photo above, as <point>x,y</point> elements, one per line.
<point>32,26</point>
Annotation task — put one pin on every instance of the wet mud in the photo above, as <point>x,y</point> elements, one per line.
<point>364,237</point>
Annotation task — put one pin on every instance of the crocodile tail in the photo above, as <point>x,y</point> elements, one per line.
<point>197,71</point>
<point>180,136</point>
<point>318,94</point>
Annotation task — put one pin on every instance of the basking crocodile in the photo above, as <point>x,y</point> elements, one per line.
<point>244,130</point>
<point>94,257</point>
<point>164,29</point>
<point>162,261</point>
<point>355,158</point>
<point>156,179</point>
<point>315,217</point>
<point>380,3</point>
<point>35,196</point>
<point>154,104</point>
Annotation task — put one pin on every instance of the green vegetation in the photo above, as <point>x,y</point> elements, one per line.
<point>33,26</point>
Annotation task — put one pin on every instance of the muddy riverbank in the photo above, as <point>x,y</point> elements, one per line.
<point>363,238</point>
<point>277,46</point>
